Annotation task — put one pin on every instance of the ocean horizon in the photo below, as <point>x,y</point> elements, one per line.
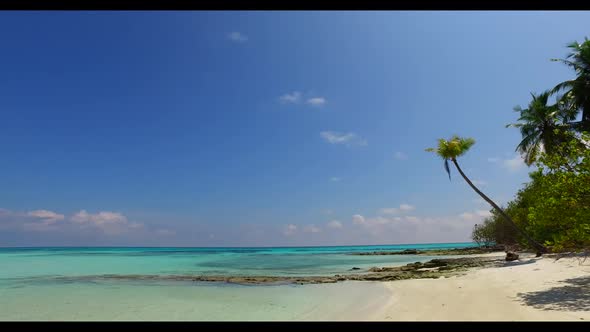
<point>199,247</point>
<point>267,261</point>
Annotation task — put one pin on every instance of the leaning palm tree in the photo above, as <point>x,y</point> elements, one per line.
<point>543,127</point>
<point>577,90</point>
<point>458,146</point>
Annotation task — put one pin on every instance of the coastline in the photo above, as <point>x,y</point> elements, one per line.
<point>531,289</point>
<point>454,261</point>
<point>469,287</point>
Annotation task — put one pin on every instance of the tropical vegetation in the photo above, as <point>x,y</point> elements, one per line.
<point>552,211</point>
<point>458,146</point>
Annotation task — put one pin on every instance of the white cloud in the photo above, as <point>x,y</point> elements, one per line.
<point>311,229</point>
<point>335,224</point>
<point>101,218</point>
<point>379,220</point>
<point>467,216</point>
<point>316,101</point>
<point>358,219</point>
<point>290,98</point>
<point>112,223</point>
<point>237,37</point>
<point>378,230</point>
<point>335,179</point>
<point>296,97</point>
<point>46,215</point>
<point>401,209</point>
<point>483,213</point>
<point>515,164</point>
<point>400,156</point>
<point>290,230</point>
<point>348,139</point>
<point>406,207</point>
<point>81,223</point>
<point>479,182</point>
<point>475,215</point>
<point>47,220</point>
<point>380,225</point>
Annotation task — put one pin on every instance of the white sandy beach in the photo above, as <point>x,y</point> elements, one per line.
<point>531,289</point>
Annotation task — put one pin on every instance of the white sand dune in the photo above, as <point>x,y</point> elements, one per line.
<point>532,289</point>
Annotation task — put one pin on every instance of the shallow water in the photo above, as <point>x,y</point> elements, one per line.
<point>29,291</point>
<point>176,301</point>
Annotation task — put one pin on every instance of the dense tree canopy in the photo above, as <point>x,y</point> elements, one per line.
<point>554,207</point>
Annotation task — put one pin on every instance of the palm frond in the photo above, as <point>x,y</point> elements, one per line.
<point>569,63</point>
<point>449,149</point>
<point>447,168</point>
<point>577,97</point>
<point>562,86</point>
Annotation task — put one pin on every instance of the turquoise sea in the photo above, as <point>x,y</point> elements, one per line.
<point>29,289</point>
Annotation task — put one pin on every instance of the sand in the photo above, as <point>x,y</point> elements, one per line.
<point>531,289</point>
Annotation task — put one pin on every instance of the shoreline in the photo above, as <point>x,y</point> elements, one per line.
<point>434,252</point>
<point>530,289</point>
<point>432,269</point>
<point>482,287</point>
<point>456,261</point>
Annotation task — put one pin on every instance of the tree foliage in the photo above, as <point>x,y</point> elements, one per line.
<point>577,90</point>
<point>554,207</point>
<point>560,212</point>
<point>538,123</point>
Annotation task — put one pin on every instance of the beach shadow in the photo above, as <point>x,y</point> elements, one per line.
<point>573,296</point>
<point>582,258</point>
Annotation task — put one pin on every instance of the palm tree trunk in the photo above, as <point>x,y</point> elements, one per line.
<point>586,115</point>
<point>539,247</point>
<point>585,123</point>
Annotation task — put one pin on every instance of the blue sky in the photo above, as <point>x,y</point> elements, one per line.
<point>262,128</point>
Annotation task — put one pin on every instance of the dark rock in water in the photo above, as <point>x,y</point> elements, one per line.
<point>435,263</point>
<point>439,252</point>
<point>511,256</point>
<point>444,267</point>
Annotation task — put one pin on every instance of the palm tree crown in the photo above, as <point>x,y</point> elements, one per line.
<point>457,146</point>
<point>542,126</point>
<point>578,90</point>
<point>451,149</point>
